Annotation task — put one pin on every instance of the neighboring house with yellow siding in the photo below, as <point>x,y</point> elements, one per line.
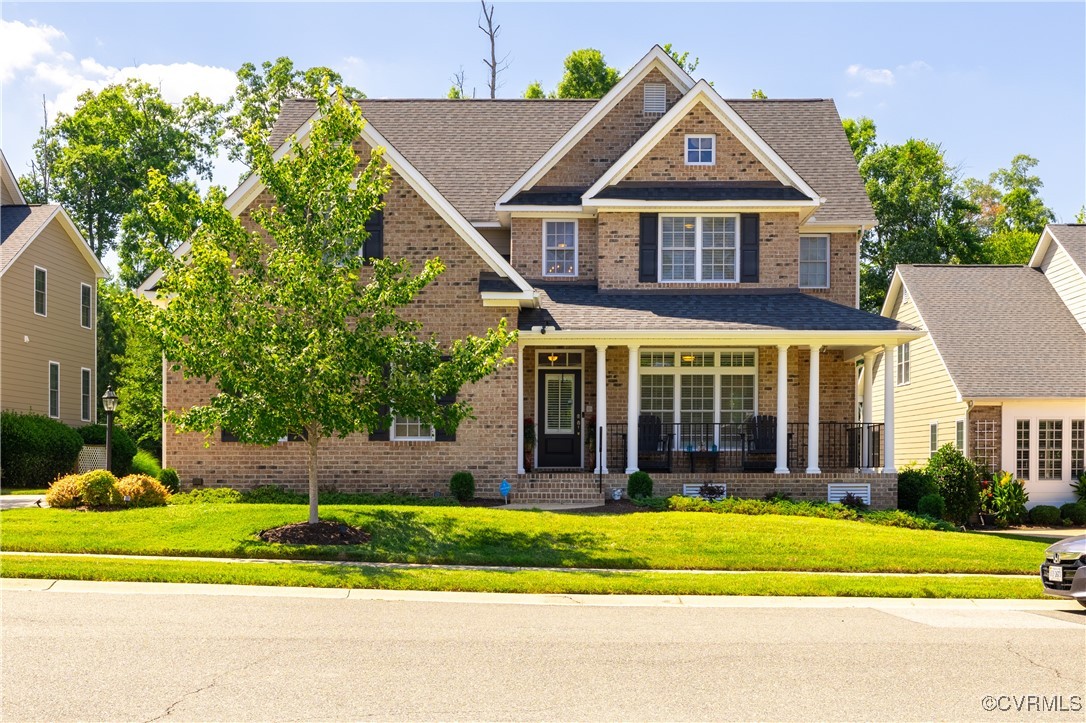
<point>1002,372</point>
<point>48,328</point>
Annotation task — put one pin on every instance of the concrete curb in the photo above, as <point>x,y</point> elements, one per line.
<point>492,568</point>
<point>421,596</point>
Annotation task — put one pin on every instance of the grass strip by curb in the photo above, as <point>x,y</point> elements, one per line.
<point>316,574</point>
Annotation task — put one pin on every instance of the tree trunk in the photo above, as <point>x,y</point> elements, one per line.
<point>314,440</point>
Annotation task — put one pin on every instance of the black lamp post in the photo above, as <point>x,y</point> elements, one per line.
<point>109,403</point>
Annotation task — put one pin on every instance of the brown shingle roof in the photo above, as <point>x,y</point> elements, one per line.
<point>1072,236</point>
<point>1002,331</point>
<point>474,150</point>
<point>18,224</point>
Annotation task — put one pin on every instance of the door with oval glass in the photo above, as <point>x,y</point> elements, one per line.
<point>560,416</point>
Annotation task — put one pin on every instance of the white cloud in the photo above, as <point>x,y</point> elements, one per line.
<point>916,66</point>
<point>175,81</point>
<point>23,45</point>
<point>877,76</point>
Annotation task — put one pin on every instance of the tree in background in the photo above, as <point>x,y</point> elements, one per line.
<point>494,65</point>
<point>534,91</point>
<point>456,90</point>
<point>861,136</point>
<point>682,59</point>
<point>758,94</point>
<point>587,75</point>
<point>98,156</point>
<point>1010,213</point>
<point>297,335</point>
<point>137,375</point>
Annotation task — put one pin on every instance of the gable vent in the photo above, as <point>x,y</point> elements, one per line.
<point>655,97</point>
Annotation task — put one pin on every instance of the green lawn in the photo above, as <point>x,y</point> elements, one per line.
<point>480,536</point>
<point>522,581</point>
<point>20,491</point>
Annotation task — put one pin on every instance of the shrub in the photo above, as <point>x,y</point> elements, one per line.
<point>932,505</point>
<point>35,450</point>
<point>142,491</point>
<point>1079,487</point>
<point>712,492</point>
<point>776,496</point>
<point>168,477</point>
<point>739,506</point>
<point>640,485</point>
<point>98,488</point>
<point>854,502</point>
<point>912,484</point>
<point>146,463</point>
<point>124,449</point>
<point>1074,512</point>
<point>65,492</point>
<point>331,497</point>
<point>272,495</point>
<point>207,496</point>
<point>462,486</point>
<point>1008,499</point>
<point>956,479</point>
<point>1045,515</point>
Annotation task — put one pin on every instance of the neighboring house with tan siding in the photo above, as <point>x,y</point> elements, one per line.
<point>48,314</point>
<point>1002,372</point>
<point>683,272</point>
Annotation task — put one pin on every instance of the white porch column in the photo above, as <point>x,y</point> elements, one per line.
<point>520,409</point>
<point>782,409</point>
<point>865,431</point>
<point>812,413</point>
<point>601,408</point>
<point>889,368</point>
<point>632,404</point>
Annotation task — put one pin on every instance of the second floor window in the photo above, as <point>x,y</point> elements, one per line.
<point>699,248</point>
<point>904,368</point>
<point>559,248</point>
<point>39,291</point>
<point>85,305</point>
<point>814,262</point>
<point>700,150</point>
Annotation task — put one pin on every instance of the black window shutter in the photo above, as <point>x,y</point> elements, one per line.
<point>381,435</point>
<point>748,248</point>
<point>375,243</point>
<point>649,243</point>
<point>446,400</point>
<point>228,436</point>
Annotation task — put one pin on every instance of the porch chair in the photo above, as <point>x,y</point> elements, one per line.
<point>760,443</point>
<point>653,444</point>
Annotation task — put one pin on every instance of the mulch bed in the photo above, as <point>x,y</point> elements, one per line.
<point>612,507</point>
<point>320,533</point>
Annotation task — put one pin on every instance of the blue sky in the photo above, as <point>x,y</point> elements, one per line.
<point>986,81</point>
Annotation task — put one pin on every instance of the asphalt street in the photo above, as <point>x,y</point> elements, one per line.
<point>132,653</point>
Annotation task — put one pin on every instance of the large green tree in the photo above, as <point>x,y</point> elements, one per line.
<point>298,335</point>
<point>1010,214</point>
<point>923,216</point>
<point>587,75</point>
<point>98,156</point>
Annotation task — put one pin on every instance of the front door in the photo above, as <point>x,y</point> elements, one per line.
<point>560,418</point>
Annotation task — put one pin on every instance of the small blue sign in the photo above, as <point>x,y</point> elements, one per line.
<point>505,488</point>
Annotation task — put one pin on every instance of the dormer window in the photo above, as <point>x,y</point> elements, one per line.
<point>700,150</point>
<point>655,98</point>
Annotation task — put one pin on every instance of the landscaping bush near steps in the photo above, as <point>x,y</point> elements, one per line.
<point>825,510</point>
<point>462,486</point>
<point>1045,515</point>
<point>35,450</point>
<point>956,478</point>
<point>639,485</point>
<point>1074,512</point>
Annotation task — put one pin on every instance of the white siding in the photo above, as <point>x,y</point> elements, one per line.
<point>1067,279</point>
<point>1042,492</point>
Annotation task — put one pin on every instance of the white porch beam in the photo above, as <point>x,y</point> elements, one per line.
<point>601,409</point>
<point>865,432</point>
<point>782,410</point>
<point>520,409</point>
<point>889,368</point>
<point>812,413</point>
<point>631,411</point>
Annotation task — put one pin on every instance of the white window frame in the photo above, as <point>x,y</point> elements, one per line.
<point>810,237</point>
<point>903,371</point>
<point>659,96</point>
<point>90,306</point>
<point>959,434</point>
<point>45,291</point>
<point>677,371</point>
<point>699,249</point>
<point>1055,452</point>
<point>86,398</point>
<point>49,392</point>
<point>576,247</point>
<point>398,419</point>
<point>699,136</point>
<point>933,437</point>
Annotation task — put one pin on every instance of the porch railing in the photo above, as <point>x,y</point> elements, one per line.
<point>743,446</point>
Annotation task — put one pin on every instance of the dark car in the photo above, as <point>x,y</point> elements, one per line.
<point>1064,570</point>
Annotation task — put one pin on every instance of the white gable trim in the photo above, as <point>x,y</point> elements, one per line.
<point>61,216</point>
<point>1046,240</point>
<point>10,180</point>
<point>656,58</point>
<point>237,201</point>
<point>704,93</point>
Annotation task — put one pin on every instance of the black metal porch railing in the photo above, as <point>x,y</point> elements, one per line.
<point>749,446</point>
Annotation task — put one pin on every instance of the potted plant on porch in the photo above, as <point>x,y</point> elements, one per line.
<point>529,443</point>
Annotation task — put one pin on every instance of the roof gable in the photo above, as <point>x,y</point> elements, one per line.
<point>657,60</point>
<point>1071,237</point>
<point>687,113</point>
<point>10,193</point>
<point>21,225</point>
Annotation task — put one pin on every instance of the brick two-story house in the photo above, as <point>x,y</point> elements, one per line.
<point>683,272</point>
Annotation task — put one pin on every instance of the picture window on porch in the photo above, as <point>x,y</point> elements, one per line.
<point>1021,432</point>
<point>699,248</point>
<point>559,248</point>
<point>1078,447</point>
<point>1050,449</point>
